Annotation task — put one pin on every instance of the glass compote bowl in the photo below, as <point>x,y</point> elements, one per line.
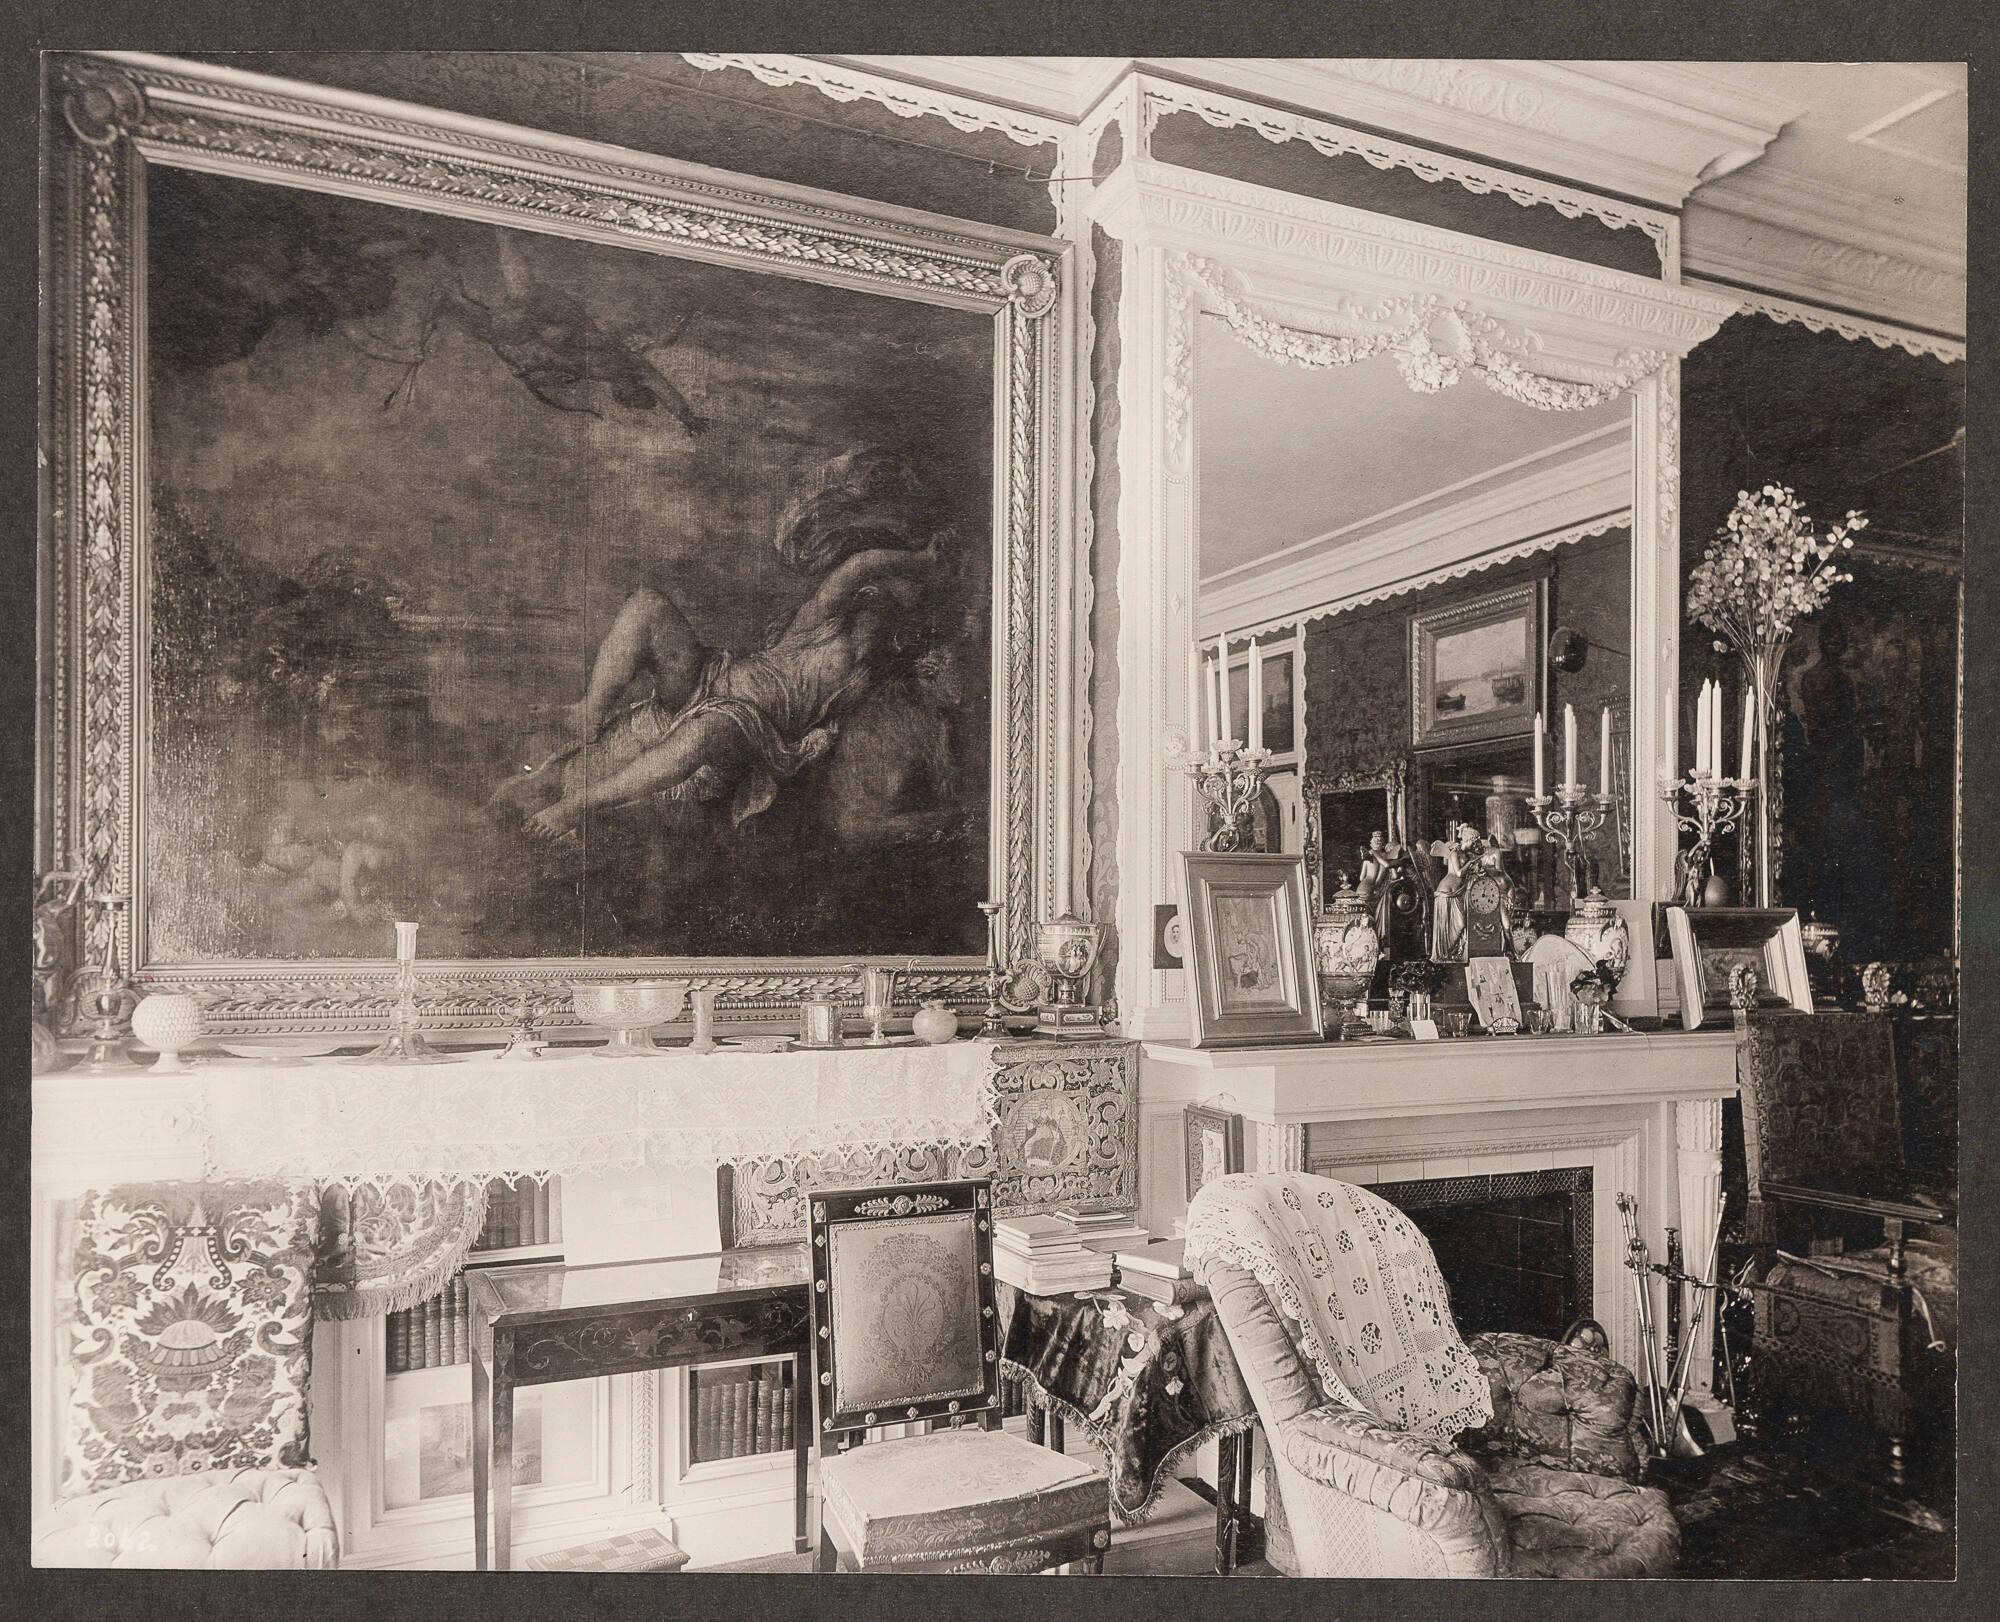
<point>630,1009</point>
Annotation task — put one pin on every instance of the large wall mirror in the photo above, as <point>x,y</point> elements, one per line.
<point>1449,563</point>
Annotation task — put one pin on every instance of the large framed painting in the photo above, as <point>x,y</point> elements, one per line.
<point>610,564</point>
<point>1476,667</point>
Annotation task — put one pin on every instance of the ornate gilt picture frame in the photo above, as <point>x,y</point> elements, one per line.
<point>1249,948</point>
<point>1476,667</point>
<point>1379,799</point>
<point>120,119</point>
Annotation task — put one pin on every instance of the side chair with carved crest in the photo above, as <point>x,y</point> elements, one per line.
<point>905,1332</point>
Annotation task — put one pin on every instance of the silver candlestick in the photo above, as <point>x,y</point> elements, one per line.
<point>1715,805</point>
<point>1230,777</point>
<point>1569,819</point>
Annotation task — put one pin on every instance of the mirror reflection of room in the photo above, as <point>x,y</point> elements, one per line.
<point>1434,581</point>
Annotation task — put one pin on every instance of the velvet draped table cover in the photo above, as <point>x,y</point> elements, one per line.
<point>1147,1381</point>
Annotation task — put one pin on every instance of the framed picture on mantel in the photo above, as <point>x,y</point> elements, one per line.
<point>1249,950</point>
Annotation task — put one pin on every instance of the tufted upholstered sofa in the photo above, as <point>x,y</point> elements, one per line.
<point>187,1313</point>
<point>1547,1488</point>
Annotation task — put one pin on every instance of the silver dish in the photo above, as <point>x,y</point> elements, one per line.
<point>630,1009</point>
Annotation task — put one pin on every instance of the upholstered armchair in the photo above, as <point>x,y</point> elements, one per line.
<point>188,1321</point>
<point>1541,1480</point>
<point>1869,1329</point>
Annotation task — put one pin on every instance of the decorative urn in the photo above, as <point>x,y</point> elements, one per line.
<point>1597,930</point>
<point>1066,949</point>
<point>167,1022</point>
<point>1345,950</point>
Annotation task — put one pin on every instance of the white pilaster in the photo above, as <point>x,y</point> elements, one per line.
<point>1698,1135</point>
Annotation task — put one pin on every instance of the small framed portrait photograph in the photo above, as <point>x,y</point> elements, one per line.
<point>1214,1145</point>
<point>1710,942</point>
<point>1476,668</point>
<point>1249,950</point>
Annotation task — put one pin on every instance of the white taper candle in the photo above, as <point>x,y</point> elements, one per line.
<point>1222,663</point>
<point>1540,727</point>
<point>1569,746</point>
<point>1749,726</point>
<point>1256,697</point>
<point>1604,754</point>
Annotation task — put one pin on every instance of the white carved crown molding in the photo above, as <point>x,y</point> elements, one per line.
<point>1649,131</point>
<point>1298,254</point>
<point>1902,282</point>
<point>1546,502</point>
<point>1279,125</point>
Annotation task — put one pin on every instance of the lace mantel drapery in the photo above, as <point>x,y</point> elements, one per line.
<point>457,1126</point>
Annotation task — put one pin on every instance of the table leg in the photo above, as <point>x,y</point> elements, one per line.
<point>1225,1504</point>
<point>482,1439</point>
<point>1246,1454</point>
<point>503,1464</point>
<point>802,1434</point>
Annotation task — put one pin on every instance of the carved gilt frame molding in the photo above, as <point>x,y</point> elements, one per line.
<point>116,114</point>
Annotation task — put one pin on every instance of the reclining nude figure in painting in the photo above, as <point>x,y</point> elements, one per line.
<point>717,723</point>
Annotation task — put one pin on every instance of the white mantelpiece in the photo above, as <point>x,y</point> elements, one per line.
<point>1642,1112</point>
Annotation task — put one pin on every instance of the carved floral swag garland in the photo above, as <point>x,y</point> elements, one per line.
<point>1478,345</point>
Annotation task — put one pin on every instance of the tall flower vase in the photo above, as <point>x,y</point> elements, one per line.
<point>1760,854</point>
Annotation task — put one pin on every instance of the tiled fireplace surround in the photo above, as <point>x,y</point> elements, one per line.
<point>1428,1124</point>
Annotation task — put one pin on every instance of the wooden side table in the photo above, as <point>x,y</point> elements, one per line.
<point>549,1322</point>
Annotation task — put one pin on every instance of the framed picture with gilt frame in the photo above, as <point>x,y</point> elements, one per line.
<point>1212,1145</point>
<point>1476,667</point>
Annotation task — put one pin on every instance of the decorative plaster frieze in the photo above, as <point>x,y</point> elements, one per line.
<point>1347,253</point>
<point>1278,126</point>
<point>1644,130</point>
<point>1755,250</point>
<point>1879,333</point>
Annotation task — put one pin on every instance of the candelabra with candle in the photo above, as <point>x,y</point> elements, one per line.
<point>1229,773</point>
<point>1713,806</point>
<point>1570,817</point>
<point>405,1043</point>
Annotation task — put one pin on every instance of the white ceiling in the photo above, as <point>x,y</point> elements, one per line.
<point>1290,454</point>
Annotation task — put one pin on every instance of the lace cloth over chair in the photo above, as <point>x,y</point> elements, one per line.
<point>1357,1280</point>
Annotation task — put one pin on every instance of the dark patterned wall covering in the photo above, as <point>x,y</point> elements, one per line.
<point>1358,663</point>
<point>1104,550</point>
<point>1869,713</point>
<point>1243,154</point>
<point>654,101</point>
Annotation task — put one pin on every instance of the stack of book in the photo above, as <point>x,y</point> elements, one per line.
<point>518,1214</point>
<point>1103,1230</point>
<point>432,1335</point>
<point>1157,1271</point>
<point>1044,1256</point>
<point>741,1411</point>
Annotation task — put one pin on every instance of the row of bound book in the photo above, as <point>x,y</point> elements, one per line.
<point>741,1411</point>
<point>517,1214</point>
<point>433,1334</point>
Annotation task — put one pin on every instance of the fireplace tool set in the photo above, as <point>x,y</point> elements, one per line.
<point>1667,1412</point>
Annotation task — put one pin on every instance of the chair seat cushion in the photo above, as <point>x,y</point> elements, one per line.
<point>955,1493</point>
<point>223,1520</point>
<point>1564,1524</point>
<point>1561,1406</point>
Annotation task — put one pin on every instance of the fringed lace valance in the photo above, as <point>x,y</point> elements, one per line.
<point>1433,340</point>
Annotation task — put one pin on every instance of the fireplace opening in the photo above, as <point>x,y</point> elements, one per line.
<point>1514,1247</point>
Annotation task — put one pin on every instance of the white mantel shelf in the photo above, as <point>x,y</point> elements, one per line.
<point>1331,1081</point>
<point>1642,1112</point>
